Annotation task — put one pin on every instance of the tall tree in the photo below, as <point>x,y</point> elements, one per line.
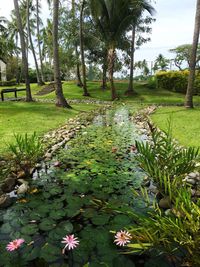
<point>113,18</point>
<point>85,91</point>
<point>23,48</point>
<point>60,99</point>
<point>192,66</point>
<point>39,79</point>
<point>39,40</point>
<point>161,63</point>
<point>130,90</point>
<point>140,35</point>
<point>182,55</point>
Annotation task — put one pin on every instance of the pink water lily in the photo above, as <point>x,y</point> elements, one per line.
<point>15,244</point>
<point>70,241</point>
<point>122,238</point>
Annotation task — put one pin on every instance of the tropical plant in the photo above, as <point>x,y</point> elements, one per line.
<point>182,55</point>
<point>82,49</point>
<point>23,49</point>
<point>112,18</point>
<point>161,63</point>
<point>174,234</point>
<point>165,161</point>
<point>26,151</point>
<point>60,99</point>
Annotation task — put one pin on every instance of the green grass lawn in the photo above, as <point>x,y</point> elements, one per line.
<point>185,123</point>
<point>144,94</point>
<point>19,117</point>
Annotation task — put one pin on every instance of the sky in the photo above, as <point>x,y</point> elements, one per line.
<point>174,26</point>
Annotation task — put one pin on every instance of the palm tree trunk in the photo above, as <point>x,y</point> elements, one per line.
<point>39,80</point>
<point>38,41</point>
<point>78,74</point>
<point>60,99</point>
<point>23,48</point>
<point>192,65</point>
<point>85,93</point>
<point>130,90</point>
<point>17,61</point>
<point>111,63</point>
<point>104,74</point>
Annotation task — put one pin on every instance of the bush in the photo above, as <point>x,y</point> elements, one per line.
<point>176,81</point>
<point>26,151</point>
<point>8,83</point>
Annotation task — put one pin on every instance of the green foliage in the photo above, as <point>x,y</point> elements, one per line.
<point>80,197</point>
<point>165,161</point>
<point>9,83</point>
<point>175,233</point>
<point>176,81</point>
<point>26,151</point>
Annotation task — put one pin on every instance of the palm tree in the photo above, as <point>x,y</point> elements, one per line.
<point>161,63</point>
<point>130,90</point>
<point>113,18</point>
<point>23,48</point>
<point>192,65</point>
<point>60,101</point>
<point>39,39</point>
<point>85,93</point>
<point>30,6</point>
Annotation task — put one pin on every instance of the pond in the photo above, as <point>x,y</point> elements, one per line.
<point>86,192</point>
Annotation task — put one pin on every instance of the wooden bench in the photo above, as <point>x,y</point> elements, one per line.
<point>11,90</point>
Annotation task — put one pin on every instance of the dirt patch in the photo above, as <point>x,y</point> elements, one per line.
<point>47,89</point>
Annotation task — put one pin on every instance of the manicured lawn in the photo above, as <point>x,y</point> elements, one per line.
<point>185,123</point>
<point>144,94</point>
<point>19,117</point>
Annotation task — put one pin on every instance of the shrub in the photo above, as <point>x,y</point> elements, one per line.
<point>176,81</point>
<point>8,83</point>
<point>26,151</point>
<point>164,161</point>
<point>175,233</point>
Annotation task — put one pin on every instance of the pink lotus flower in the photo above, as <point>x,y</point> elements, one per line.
<point>122,238</point>
<point>70,241</point>
<point>15,244</point>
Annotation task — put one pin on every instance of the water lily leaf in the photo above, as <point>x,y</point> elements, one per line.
<point>47,224</point>
<point>29,229</point>
<point>50,253</point>
<point>6,228</point>
<point>57,214</point>
<point>101,219</point>
<point>30,253</point>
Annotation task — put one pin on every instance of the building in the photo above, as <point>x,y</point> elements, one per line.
<point>3,70</point>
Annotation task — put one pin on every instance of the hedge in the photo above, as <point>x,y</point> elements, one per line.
<point>8,83</point>
<point>176,81</point>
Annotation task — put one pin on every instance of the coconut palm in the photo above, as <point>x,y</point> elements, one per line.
<point>113,18</point>
<point>23,49</point>
<point>192,65</point>
<point>85,91</point>
<point>39,38</point>
<point>60,99</point>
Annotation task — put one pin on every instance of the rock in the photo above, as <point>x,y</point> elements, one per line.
<point>5,201</point>
<point>23,188</point>
<point>168,212</point>
<point>193,192</point>
<point>21,174</point>
<point>192,175</point>
<point>153,189</point>
<point>191,181</point>
<point>38,166</point>
<point>8,185</point>
<point>165,203</point>
<point>48,155</point>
